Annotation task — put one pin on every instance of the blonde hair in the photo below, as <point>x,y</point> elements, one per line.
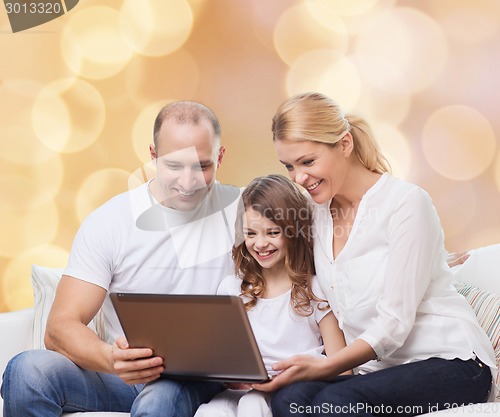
<point>317,118</point>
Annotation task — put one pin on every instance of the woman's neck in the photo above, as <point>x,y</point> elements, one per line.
<point>358,182</point>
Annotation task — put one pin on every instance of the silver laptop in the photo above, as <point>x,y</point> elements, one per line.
<point>204,337</point>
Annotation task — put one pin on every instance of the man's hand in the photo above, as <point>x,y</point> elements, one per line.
<point>135,366</point>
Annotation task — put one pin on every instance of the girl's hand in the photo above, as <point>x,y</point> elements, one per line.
<point>297,368</point>
<point>135,366</point>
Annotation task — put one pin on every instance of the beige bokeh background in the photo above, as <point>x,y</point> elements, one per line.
<point>78,97</point>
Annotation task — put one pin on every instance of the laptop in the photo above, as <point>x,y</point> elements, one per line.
<point>200,337</point>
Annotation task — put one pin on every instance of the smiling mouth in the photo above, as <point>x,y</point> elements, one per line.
<point>266,253</point>
<point>314,186</point>
<point>186,193</point>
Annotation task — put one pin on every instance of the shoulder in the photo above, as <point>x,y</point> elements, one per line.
<point>231,285</point>
<point>401,187</point>
<point>407,203</point>
<point>395,194</point>
<point>316,288</point>
<point>118,208</point>
<point>225,193</point>
<point>321,308</point>
<point>225,198</point>
<point>125,201</point>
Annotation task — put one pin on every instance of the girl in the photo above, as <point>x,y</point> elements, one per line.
<point>380,259</point>
<point>274,268</point>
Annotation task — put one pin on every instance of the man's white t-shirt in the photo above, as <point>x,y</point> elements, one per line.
<point>279,331</point>
<point>134,244</point>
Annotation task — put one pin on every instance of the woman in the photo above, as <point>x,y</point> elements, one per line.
<point>381,262</point>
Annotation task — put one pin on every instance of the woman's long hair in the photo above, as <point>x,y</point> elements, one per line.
<point>276,198</point>
<point>317,118</point>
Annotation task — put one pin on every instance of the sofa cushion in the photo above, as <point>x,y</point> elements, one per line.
<point>481,269</point>
<point>44,281</point>
<point>486,305</point>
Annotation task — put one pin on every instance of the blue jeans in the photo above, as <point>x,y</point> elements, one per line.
<point>404,390</point>
<point>45,383</point>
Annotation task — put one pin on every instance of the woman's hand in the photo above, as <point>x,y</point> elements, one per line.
<point>135,366</point>
<point>297,368</point>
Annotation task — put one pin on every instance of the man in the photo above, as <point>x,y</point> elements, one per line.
<point>170,235</point>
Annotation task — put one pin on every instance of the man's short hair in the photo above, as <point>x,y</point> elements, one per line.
<point>186,112</point>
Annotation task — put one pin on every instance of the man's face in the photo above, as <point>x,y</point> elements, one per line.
<point>186,164</point>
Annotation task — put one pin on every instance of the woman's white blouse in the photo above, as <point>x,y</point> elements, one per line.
<point>391,286</point>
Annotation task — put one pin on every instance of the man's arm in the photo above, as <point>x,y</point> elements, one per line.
<point>75,304</point>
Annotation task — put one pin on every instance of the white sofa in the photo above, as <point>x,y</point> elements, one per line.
<point>478,279</point>
<point>16,329</point>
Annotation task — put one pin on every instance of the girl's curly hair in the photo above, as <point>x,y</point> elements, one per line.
<point>276,198</point>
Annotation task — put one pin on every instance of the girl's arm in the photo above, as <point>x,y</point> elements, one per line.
<point>333,337</point>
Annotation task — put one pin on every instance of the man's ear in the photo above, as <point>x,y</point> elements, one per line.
<point>152,152</point>
<point>222,151</point>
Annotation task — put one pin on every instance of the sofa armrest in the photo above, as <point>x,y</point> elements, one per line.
<point>16,330</point>
<point>16,335</point>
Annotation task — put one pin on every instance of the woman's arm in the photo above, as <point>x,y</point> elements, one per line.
<point>340,360</point>
<point>309,368</point>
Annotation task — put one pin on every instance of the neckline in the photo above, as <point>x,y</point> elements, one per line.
<point>359,214</point>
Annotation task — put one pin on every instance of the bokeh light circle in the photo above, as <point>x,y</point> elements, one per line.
<point>297,32</point>
<point>68,115</point>
<point>456,15</point>
<point>17,275</point>
<point>403,42</point>
<point>142,175</point>
<point>20,145</point>
<point>390,107</point>
<point>142,130</point>
<point>497,171</point>
<point>356,15</point>
<point>327,8</point>
<point>98,188</point>
<point>24,228</point>
<point>394,146</point>
<point>29,187</point>
<point>91,43</point>
<point>458,142</point>
<point>153,79</point>
<point>155,28</point>
<point>327,72</point>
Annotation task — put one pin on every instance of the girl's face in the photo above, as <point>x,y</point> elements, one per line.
<point>319,168</point>
<point>264,240</point>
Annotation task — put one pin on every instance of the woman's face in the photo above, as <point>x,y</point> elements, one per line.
<point>318,167</point>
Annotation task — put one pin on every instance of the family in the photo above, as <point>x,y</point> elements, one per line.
<point>346,284</point>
